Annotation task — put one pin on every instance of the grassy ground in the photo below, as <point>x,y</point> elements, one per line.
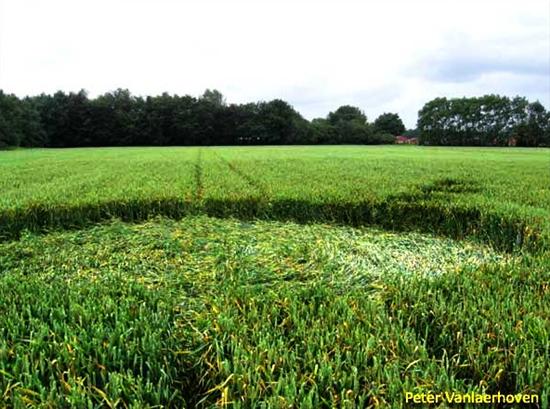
<point>238,311</point>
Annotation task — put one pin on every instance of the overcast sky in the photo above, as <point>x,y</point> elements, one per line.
<point>382,56</point>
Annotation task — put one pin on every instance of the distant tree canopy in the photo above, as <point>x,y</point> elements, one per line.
<point>491,120</point>
<point>412,133</point>
<point>347,114</point>
<point>348,124</point>
<point>389,123</point>
<point>119,118</point>
<point>19,122</point>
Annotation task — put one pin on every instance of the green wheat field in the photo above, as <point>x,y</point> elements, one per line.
<point>272,277</point>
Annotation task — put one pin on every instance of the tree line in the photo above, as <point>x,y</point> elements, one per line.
<point>121,119</point>
<point>490,120</point>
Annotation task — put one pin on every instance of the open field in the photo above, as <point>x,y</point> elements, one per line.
<point>278,276</point>
<point>501,195</point>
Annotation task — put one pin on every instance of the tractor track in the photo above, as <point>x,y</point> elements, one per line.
<point>199,186</point>
<point>254,183</point>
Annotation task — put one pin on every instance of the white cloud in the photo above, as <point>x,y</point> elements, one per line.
<point>378,55</point>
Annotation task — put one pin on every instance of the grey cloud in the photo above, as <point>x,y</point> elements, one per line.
<point>462,57</point>
<point>462,68</point>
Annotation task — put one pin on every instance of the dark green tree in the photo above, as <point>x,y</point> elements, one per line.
<point>116,119</point>
<point>533,127</point>
<point>20,122</point>
<point>350,125</point>
<point>412,133</point>
<point>213,96</point>
<point>10,121</point>
<point>389,123</point>
<point>491,120</point>
<point>322,132</point>
<point>347,113</point>
<point>32,131</point>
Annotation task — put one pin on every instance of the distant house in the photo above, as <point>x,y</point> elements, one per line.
<point>511,141</point>
<point>400,139</point>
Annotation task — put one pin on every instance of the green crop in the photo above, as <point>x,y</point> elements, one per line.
<point>272,276</point>
<point>500,196</point>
